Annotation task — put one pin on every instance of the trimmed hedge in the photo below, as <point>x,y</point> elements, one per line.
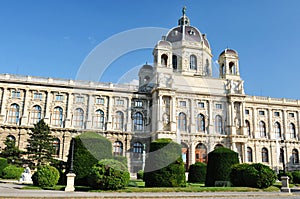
<point>89,148</point>
<point>296,177</point>
<point>12,172</point>
<point>252,175</point>
<point>45,176</point>
<point>219,165</point>
<point>109,174</point>
<point>197,172</point>
<point>164,166</point>
<point>121,159</point>
<point>3,164</point>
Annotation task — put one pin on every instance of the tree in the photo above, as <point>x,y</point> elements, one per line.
<point>12,153</point>
<point>219,165</point>
<point>40,144</point>
<point>164,166</point>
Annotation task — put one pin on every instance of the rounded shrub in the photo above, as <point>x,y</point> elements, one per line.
<point>164,166</point>
<point>197,172</point>
<point>89,148</point>
<point>109,174</point>
<point>12,172</point>
<point>296,177</point>
<point>3,164</point>
<point>252,175</point>
<point>45,176</point>
<point>219,165</point>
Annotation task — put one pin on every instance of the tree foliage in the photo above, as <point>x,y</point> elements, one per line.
<point>40,144</point>
<point>12,153</point>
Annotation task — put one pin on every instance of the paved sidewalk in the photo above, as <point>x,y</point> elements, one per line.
<point>10,190</point>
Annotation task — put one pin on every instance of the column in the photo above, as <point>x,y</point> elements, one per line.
<point>232,123</point>
<point>89,111</point>
<point>243,125</point>
<point>129,120</point>
<point>47,107</point>
<point>254,121</point>
<point>246,153</point>
<point>173,114</point>
<point>271,134</point>
<point>211,121</point>
<point>159,112</point>
<point>109,113</point>
<point>284,126</point>
<point>3,103</point>
<point>192,128</point>
<point>192,158</point>
<point>68,111</point>
<point>298,126</point>
<point>24,120</point>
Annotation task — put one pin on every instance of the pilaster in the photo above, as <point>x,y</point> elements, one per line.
<point>24,120</point>
<point>3,105</point>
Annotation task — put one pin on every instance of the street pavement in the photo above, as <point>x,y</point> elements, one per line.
<point>12,190</point>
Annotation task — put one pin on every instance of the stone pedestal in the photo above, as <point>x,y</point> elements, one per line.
<point>70,182</point>
<point>285,184</point>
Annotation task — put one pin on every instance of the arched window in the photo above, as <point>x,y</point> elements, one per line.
<point>200,123</point>
<point>78,118</point>
<point>36,114</point>
<point>292,131</point>
<point>56,147</point>
<point>118,148</point>
<point>138,121</point>
<point>164,60</point>
<point>99,119</point>
<point>262,129</point>
<point>14,114</point>
<point>295,156</point>
<point>174,62</point>
<point>248,128</point>
<point>277,130</point>
<point>57,116</point>
<point>193,62</point>
<point>137,150</point>
<point>182,122</point>
<point>201,153</point>
<point>249,154</point>
<point>223,70</point>
<point>119,120</point>
<point>232,68</point>
<point>218,124</point>
<point>264,155</point>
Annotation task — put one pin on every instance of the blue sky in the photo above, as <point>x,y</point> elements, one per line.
<point>52,38</point>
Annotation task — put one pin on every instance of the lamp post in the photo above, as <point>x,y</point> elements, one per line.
<point>284,178</point>
<point>282,157</point>
<point>71,176</point>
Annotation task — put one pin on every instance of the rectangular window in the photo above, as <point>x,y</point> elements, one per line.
<point>119,102</point>
<point>291,115</point>
<point>37,96</point>
<point>261,112</point>
<point>200,104</point>
<point>247,112</point>
<point>59,97</point>
<point>79,99</point>
<point>138,104</point>
<point>100,100</point>
<point>276,114</point>
<point>15,94</point>
<point>182,103</point>
<point>218,106</point>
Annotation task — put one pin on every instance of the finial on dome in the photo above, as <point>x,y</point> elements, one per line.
<point>184,10</point>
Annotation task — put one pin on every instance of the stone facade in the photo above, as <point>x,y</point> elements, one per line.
<point>176,98</point>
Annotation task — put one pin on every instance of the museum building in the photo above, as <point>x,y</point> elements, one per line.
<point>176,98</point>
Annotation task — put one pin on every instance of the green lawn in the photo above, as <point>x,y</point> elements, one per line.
<point>139,186</point>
